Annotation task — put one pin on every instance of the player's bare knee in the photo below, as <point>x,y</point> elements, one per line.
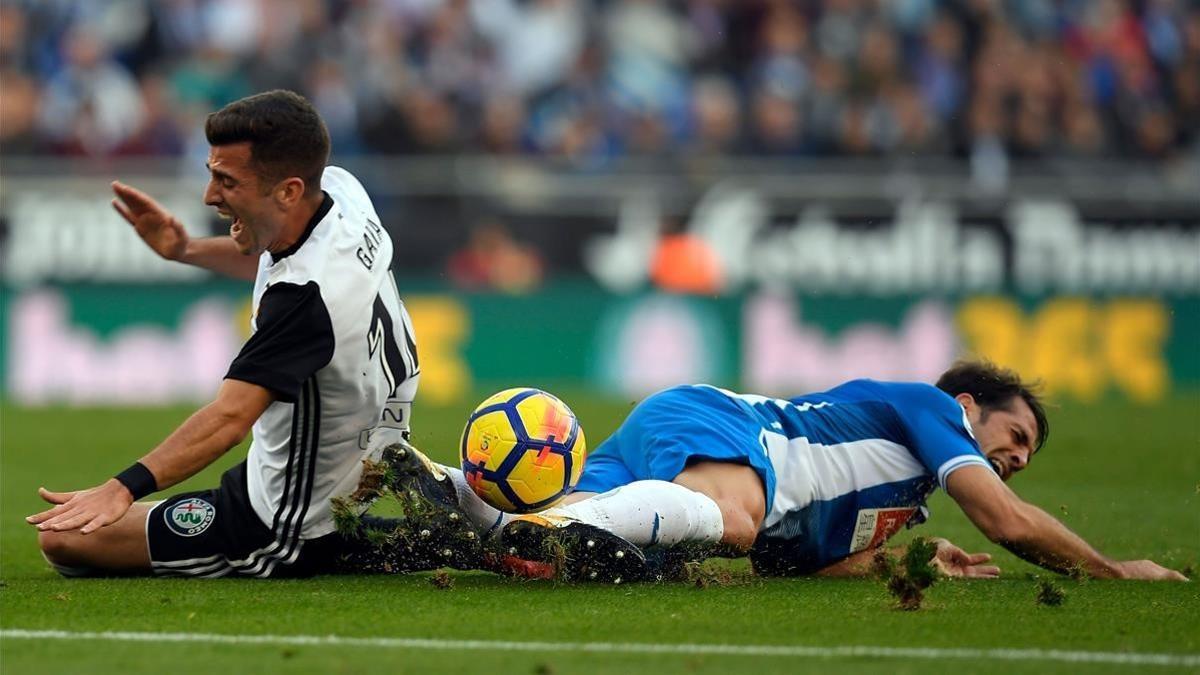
<point>741,527</point>
<point>58,547</point>
<point>737,490</point>
<point>62,551</point>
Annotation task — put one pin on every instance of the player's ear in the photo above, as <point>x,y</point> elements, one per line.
<point>289,191</point>
<point>968,403</point>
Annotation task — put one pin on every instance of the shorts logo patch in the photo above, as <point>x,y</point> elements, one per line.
<point>190,517</point>
<point>874,526</point>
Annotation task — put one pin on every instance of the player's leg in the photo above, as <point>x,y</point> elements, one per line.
<point>401,553</point>
<point>554,543</point>
<point>596,535</point>
<point>544,545</point>
<point>704,484</point>
<point>413,470</point>
<point>217,533</point>
<point>598,538</point>
<point>486,518</point>
<point>649,513</point>
<point>435,517</point>
<point>119,548</point>
<point>738,492</point>
<point>609,497</point>
<point>379,545</point>
<point>685,466</point>
<point>454,507</point>
<point>188,534</point>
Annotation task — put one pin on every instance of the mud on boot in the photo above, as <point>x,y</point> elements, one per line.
<point>575,551</point>
<point>435,526</point>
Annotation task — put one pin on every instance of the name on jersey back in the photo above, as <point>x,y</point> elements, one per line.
<point>372,238</point>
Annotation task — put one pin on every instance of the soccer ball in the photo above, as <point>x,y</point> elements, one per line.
<point>522,450</point>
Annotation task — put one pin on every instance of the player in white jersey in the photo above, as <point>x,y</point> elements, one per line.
<point>326,378</point>
<point>809,485</point>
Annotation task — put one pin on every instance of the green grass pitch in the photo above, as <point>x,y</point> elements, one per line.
<point>1125,477</point>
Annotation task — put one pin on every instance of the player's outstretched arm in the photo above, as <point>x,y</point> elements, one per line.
<point>198,442</point>
<point>1035,535</point>
<point>163,233</point>
<point>209,433</point>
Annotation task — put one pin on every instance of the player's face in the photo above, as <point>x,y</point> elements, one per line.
<point>1006,437</point>
<point>239,196</point>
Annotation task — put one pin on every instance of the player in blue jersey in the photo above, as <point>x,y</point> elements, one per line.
<point>810,485</point>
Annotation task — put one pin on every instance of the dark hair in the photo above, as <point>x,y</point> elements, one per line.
<point>995,388</point>
<point>286,135</point>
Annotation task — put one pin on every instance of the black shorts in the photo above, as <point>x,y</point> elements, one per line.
<point>216,533</point>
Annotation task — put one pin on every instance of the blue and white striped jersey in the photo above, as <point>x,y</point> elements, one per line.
<point>853,465</point>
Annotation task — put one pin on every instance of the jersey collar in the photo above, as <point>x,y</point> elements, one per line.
<point>316,219</point>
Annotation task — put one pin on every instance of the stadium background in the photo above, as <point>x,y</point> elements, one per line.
<point>620,195</point>
<point>601,198</point>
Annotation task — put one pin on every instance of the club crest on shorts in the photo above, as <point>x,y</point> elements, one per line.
<point>190,517</point>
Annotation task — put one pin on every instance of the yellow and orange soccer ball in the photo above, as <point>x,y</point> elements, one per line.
<point>522,450</point>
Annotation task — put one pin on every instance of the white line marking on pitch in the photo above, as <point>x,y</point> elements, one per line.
<point>846,651</point>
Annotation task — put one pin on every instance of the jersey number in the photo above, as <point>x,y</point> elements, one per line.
<point>381,343</point>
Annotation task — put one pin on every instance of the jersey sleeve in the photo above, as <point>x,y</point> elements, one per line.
<point>294,340</point>
<point>940,435</point>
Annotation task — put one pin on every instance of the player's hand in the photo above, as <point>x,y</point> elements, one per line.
<point>1148,570</point>
<point>84,510</point>
<point>952,561</point>
<point>154,224</point>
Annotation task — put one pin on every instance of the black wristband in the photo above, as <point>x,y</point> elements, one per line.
<point>138,480</point>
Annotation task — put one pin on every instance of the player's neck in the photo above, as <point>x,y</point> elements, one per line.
<point>296,223</point>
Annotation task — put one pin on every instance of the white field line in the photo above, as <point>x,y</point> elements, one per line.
<point>801,651</point>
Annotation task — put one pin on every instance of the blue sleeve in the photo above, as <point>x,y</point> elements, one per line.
<point>939,434</point>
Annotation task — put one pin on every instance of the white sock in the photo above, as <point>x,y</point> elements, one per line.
<point>486,517</point>
<point>649,512</point>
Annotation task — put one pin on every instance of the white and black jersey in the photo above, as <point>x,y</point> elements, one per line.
<point>332,340</point>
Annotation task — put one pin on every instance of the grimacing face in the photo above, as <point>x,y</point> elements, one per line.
<point>235,189</point>
<point>1006,437</point>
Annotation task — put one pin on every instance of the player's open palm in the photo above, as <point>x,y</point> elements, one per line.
<point>952,561</point>
<point>154,224</point>
<point>1149,570</point>
<point>83,510</point>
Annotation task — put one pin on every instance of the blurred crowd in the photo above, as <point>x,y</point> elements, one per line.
<point>594,80</point>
